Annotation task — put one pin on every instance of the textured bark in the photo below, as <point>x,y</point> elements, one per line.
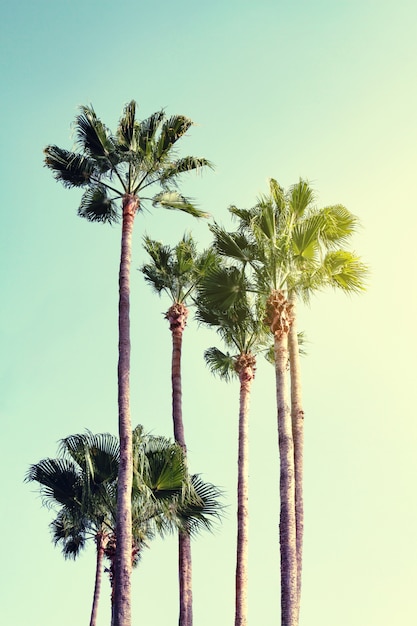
<point>123,565</point>
<point>245,367</point>
<point>279,318</point>
<point>297,418</point>
<point>101,542</point>
<point>177,316</point>
<point>185,580</point>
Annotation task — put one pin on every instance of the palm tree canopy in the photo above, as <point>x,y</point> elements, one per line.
<point>176,270</point>
<point>138,155</point>
<point>286,242</point>
<point>82,486</point>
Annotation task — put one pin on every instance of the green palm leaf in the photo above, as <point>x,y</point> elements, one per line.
<point>92,136</point>
<point>97,206</point>
<point>172,129</point>
<point>344,270</point>
<point>70,168</point>
<point>176,201</point>
<point>186,164</point>
<point>220,364</point>
<point>126,130</point>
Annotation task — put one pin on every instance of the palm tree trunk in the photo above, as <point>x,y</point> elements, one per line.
<point>125,476</point>
<point>101,541</point>
<point>177,317</point>
<point>279,318</point>
<point>297,418</point>
<point>245,367</point>
<point>185,580</point>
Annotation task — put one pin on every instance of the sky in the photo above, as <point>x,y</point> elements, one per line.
<point>285,89</point>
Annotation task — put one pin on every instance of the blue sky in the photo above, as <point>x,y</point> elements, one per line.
<point>322,90</point>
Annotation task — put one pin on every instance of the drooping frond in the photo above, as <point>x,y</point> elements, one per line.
<point>70,168</point>
<point>220,364</point>
<point>203,508</point>
<point>70,532</point>
<point>59,481</point>
<point>97,206</point>
<point>176,201</point>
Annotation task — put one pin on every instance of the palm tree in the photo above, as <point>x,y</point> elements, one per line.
<point>112,167</point>
<point>242,330</point>
<point>291,249</point>
<point>176,271</point>
<point>82,484</point>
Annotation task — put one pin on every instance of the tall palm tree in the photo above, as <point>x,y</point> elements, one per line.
<point>82,485</point>
<point>176,271</point>
<point>291,249</point>
<point>242,330</point>
<point>120,167</point>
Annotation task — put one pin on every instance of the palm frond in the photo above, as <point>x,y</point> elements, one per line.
<point>92,136</point>
<point>70,168</point>
<point>172,129</point>
<point>300,198</point>
<point>146,131</point>
<point>344,270</point>
<point>97,206</point>
<point>233,245</point>
<point>186,164</point>
<point>165,471</point>
<point>59,482</point>
<point>176,201</point>
<point>222,287</point>
<point>70,532</point>
<point>339,224</point>
<point>220,364</point>
<point>125,133</point>
<point>203,508</point>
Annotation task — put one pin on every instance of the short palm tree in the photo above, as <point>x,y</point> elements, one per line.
<point>114,168</point>
<point>82,485</point>
<point>291,248</point>
<point>242,330</point>
<point>176,271</point>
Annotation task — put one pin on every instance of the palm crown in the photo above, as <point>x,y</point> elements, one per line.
<point>111,166</point>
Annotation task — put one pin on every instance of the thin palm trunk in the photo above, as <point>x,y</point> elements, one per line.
<point>279,319</point>
<point>177,317</point>
<point>297,418</point>
<point>101,541</point>
<point>123,568</point>
<point>246,370</point>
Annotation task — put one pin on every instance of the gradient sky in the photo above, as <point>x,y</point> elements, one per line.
<point>285,89</point>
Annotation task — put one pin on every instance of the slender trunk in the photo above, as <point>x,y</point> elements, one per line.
<point>185,580</point>
<point>279,319</point>
<point>101,541</point>
<point>177,317</point>
<point>123,565</point>
<point>245,367</point>
<point>297,418</point>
